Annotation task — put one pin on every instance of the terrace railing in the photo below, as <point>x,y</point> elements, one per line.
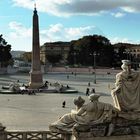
<point>33,135</point>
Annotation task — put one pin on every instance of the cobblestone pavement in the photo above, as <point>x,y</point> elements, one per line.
<point>36,112</point>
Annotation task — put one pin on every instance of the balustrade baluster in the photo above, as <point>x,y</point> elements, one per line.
<point>24,136</point>
<point>66,136</point>
<point>44,136</point>
<point>2,136</point>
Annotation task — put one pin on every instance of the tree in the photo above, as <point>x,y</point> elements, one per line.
<point>54,58</point>
<point>5,55</point>
<point>71,55</point>
<point>86,47</point>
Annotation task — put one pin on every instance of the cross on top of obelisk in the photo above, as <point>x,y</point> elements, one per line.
<point>34,5</point>
<point>35,11</point>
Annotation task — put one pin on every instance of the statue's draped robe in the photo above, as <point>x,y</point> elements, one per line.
<point>126,94</point>
<point>91,113</point>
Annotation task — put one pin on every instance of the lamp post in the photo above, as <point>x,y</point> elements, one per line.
<point>66,68</point>
<point>136,62</point>
<point>75,62</point>
<point>129,55</point>
<point>125,55</point>
<point>74,54</point>
<point>94,65</point>
<point>94,54</point>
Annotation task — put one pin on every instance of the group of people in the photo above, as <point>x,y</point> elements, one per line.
<point>88,91</point>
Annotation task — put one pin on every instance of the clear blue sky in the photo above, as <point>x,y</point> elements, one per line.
<point>66,20</point>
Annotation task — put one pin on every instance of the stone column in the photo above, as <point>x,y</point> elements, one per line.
<point>36,79</point>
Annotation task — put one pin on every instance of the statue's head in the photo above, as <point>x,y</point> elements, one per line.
<point>126,66</point>
<point>94,97</point>
<point>79,101</point>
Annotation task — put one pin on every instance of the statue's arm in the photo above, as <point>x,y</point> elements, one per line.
<point>118,83</point>
<point>81,110</point>
<point>118,80</point>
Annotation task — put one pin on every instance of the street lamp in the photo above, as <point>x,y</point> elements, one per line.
<point>75,61</point>
<point>66,68</point>
<point>94,54</point>
<point>128,54</point>
<point>94,65</point>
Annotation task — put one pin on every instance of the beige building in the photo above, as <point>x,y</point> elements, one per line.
<point>132,49</point>
<point>135,50</point>
<point>55,49</point>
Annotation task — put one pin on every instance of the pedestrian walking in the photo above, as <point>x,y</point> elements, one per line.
<point>67,76</point>
<point>64,104</point>
<point>93,90</point>
<point>87,92</point>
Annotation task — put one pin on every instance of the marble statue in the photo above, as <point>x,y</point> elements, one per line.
<point>95,111</point>
<point>14,87</point>
<point>66,122</point>
<point>91,113</point>
<point>126,94</point>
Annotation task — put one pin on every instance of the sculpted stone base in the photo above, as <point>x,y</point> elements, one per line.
<point>117,128</point>
<point>133,116</point>
<point>126,137</point>
<point>35,85</point>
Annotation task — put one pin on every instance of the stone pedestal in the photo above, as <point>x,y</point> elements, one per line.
<point>36,80</point>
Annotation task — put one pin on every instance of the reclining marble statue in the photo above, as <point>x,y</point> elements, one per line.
<point>93,112</point>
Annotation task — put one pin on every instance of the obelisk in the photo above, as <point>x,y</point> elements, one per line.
<point>36,79</point>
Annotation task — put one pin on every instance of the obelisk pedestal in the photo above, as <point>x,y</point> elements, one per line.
<point>36,79</point>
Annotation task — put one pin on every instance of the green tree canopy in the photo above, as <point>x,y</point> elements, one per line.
<point>84,49</point>
<point>54,58</point>
<point>5,55</point>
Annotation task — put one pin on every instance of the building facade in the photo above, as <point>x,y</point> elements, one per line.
<point>60,49</point>
<point>131,49</point>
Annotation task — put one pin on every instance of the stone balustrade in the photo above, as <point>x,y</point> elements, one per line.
<point>47,135</point>
<point>33,135</point>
